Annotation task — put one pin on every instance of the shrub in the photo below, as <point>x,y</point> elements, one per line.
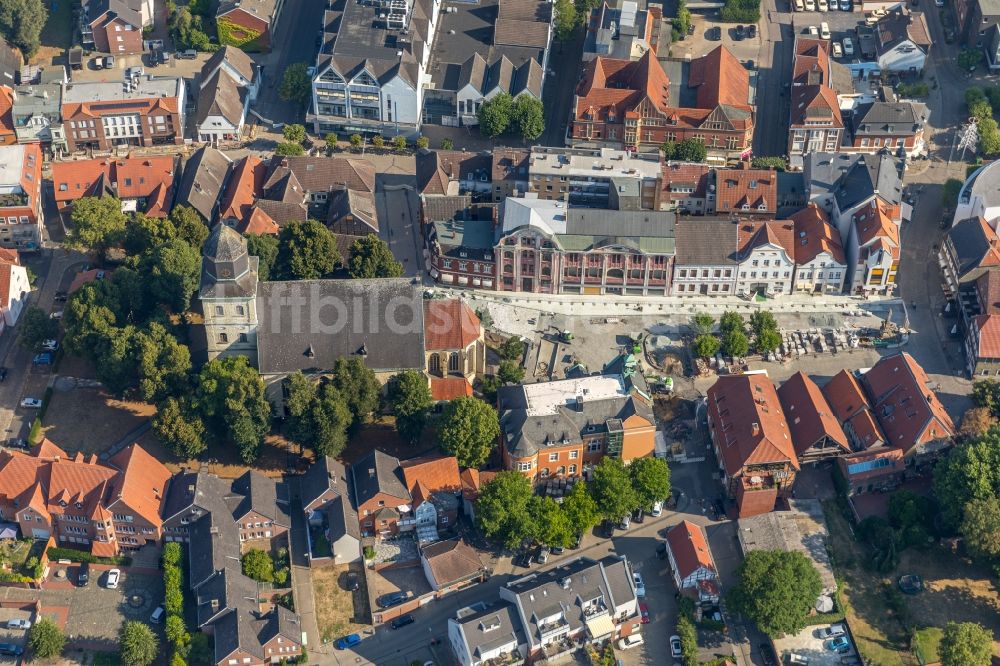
<point>369,553</point>
<point>740,11</point>
<point>239,36</point>
<point>82,556</point>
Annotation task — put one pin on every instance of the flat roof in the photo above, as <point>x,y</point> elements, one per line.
<point>602,163</point>
<point>103,91</point>
<point>546,397</point>
<point>11,166</point>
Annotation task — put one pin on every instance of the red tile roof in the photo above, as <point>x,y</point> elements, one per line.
<point>259,223</point>
<point>142,485</point>
<point>906,408</point>
<point>895,456</point>
<point>779,233</point>
<point>748,423</point>
<point>7,133</point>
<point>130,177</point>
<point>845,396</point>
<point>812,62</point>
<point>683,176</point>
<point>809,415</point>
<point>866,429</point>
<point>814,235</point>
<point>6,278</point>
<point>449,388</point>
<point>86,277</point>
<point>472,481</point>
<point>875,222</point>
<point>435,474</point>
<point>690,548</point>
<point>988,329</point>
<point>748,190</point>
<point>720,79</point>
<point>449,324</point>
<point>243,188</point>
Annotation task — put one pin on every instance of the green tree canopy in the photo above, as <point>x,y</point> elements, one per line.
<point>97,223</point>
<point>137,643</point>
<point>510,372</point>
<point>986,393</point>
<point>143,233</point>
<point>231,396</point>
<point>411,401</point>
<point>372,258</point>
<point>173,272</point>
<point>512,349</point>
<point>295,133</point>
<point>968,472</point>
<point>359,386</point>
<point>45,639</point>
<point>612,489</point>
<point>265,247</point>
<point>650,480</point>
<point>580,508</point>
<point>179,426</point>
<point>495,115</point>
<point>731,321</point>
<point>330,417</point>
<point>702,323</point>
<point>162,363</point>
<point>306,251</point>
<point>296,85</point>
<point>735,344</point>
<point>289,149</point>
<point>21,23</point>
<point>762,320</point>
<point>565,19</point>
<point>399,143</point>
<point>189,226</point>
<point>468,431</point>
<point>966,644</point>
<point>981,527</point>
<point>777,590</point>
<point>502,508</point>
<point>527,114</point>
<point>705,346</point>
<point>768,340</point>
<point>691,150</point>
<point>36,326</point>
<point>552,525</point>
<point>258,565</point>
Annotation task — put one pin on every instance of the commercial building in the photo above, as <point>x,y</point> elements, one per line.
<point>143,184</point>
<point>595,178</point>
<point>228,84</point>
<point>36,112</point>
<point>21,211</point>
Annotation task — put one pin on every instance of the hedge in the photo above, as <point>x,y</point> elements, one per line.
<point>36,430</point>
<point>172,560</point>
<point>46,399</point>
<point>227,35</point>
<point>83,556</point>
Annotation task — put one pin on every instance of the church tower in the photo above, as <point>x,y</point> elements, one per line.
<point>228,295</point>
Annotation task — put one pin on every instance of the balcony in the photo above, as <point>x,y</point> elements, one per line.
<point>555,628</point>
<point>13,199</point>
<point>512,658</point>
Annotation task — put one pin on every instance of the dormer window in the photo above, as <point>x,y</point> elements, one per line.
<point>746,206</point>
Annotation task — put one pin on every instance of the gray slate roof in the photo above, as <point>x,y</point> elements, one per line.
<point>261,494</point>
<point>327,472</point>
<point>898,118</point>
<point>229,589</point>
<point>322,174</point>
<point>97,9</point>
<point>236,59</point>
<point>343,519</point>
<point>705,241</point>
<point>221,96</point>
<point>214,545</point>
<point>376,473</point>
<point>971,246</point>
<point>203,181</point>
<point>379,319</point>
<point>236,630</point>
<point>853,179</point>
<point>488,627</point>
<point>194,490</point>
<point>227,270</point>
<point>10,64</point>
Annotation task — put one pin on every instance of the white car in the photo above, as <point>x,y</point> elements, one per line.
<point>810,5</point>
<point>31,403</point>
<point>56,315</point>
<point>657,509</point>
<point>848,47</point>
<point>640,586</point>
<point>50,345</point>
<point>113,577</point>
<point>823,6</point>
<point>832,631</point>
<point>813,31</point>
<point>824,30</point>
<point>675,647</point>
<point>630,641</point>
<point>837,51</point>
<point>19,624</point>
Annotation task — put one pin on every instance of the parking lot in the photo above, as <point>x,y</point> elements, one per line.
<point>812,648</point>
<point>183,68</point>
<point>12,636</point>
<point>841,24</point>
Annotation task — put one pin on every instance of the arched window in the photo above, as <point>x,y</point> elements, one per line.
<point>434,365</point>
<point>453,363</point>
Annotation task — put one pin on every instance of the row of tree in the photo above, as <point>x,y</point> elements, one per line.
<point>734,338</point>
<point>509,511</point>
<point>524,116</point>
<point>307,250</point>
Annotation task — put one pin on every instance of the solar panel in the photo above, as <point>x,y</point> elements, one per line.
<point>868,465</point>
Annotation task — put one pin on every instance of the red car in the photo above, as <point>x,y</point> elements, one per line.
<point>644,611</point>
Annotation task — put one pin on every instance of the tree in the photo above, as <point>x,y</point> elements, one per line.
<point>138,644</point>
<point>565,21</point>
<point>986,393</point>
<point>502,508</point>
<point>981,110</point>
<point>669,150</point>
<point>469,428</point>
<point>777,590</point>
<point>331,417</point>
<point>968,473</point>
<point>447,144</point>
<point>762,320</point>
<point>372,258</point>
<point>258,565</point>
<point>45,639</point>
<point>689,640</point>
<point>650,480</point>
<point>551,523</point>
<point>231,396</point>
<point>143,233</point>
<point>705,346</point>
<point>510,372</point>
<point>970,58</point>
<point>294,133</point>
<point>21,22</point>
<point>307,250</point>
<point>410,399</point>
<point>173,272</point>
<point>908,514</point>
<point>356,141</point>
<point>583,9</point>
<point>189,226</point>
<point>527,114</point>
<point>702,323</point>
<point>512,349</point>
<point>180,427</point>
<point>973,95</point>
<point>175,630</point>
<point>495,115</point>
<point>422,143</point>
<point>96,223</point>
<point>264,247</point>
<point>731,321</point>
<point>331,140</point>
<point>36,326</point>
<point>580,508</point>
<point>359,386</point>
<point>976,421</point>
<point>735,344</point>
<point>691,150</point>
<point>966,644</point>
<point>288,149</point>
<point>399,143</point>
<point>981,527</point>
<point>378,142</point>
<point>989,136</point>
<point>768,341</point>
<point>162,363</point>
<point>612,490</point>
<point>199,653</point>
<point>296,85</point>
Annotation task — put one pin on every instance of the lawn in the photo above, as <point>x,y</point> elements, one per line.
<point>925,644</point>
<point>57,35</point>
<point>338,611</point>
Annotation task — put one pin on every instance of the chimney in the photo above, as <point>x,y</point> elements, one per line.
<point>755,428</point>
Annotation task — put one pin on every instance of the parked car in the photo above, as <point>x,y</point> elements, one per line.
<point>810,5</point>
<point>752,30</point>
<point>11,649</point>
<point>83,575</point>
<point>189,54</point>
<point>640,585</point>
<point>351,582</point>
<point>837,51</point>
<point>114,576</point>
<point>848,46</point>
<point>630,641</point>
<point>813,31</point>
<point>846,6</point>
<point>50,345</point>
<point>543,555</point>
<point>57,314</point>
<point>675,647</point>
<point>3,373</point>
<point>391,599</point>
<point>45,358</point>
<point>690,28</point>
<point>624,522</point>
<point>97,63</point>
<point>823,5</point>
<point>61,297</point>
<point>644,613</point>
<point>832,631</point>
<point>133,72</point>
<point>824,30</point>
<point>18,443</point>
<point>157,615</point>
<point>657,509</point>
<point>401,621</point>
<point>638,515</point>
<point>661,550</point>
<point>714,34</point>
<point>558,550</point>
<point>109,62</point>
<point>839,643</point>
<point>347,641</point>
<point>31,403</point>
<point>18,623</point>
<point>607,529</point>
<point>767,654</point>
<point>741,32</point>
<point>522,559</point>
